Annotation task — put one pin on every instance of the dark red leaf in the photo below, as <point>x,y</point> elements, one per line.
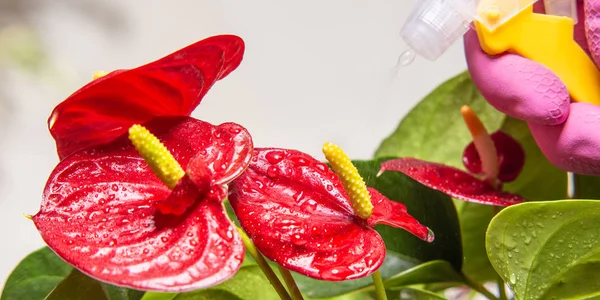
<point>451,181</point>
<point>171,86</point>
<point>511,157</point>
<point>98,213</point>
<point>297,213</point>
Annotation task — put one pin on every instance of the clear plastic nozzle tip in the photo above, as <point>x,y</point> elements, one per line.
<point>434,25</point>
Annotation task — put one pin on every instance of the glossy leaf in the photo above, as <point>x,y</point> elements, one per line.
<point>511,157</point>
<point>98,211</point>
<point>413,293</point>
<point>76,286</point>
<point>474,219</point>
<point>547,250</point>
<point>434,129</point>
<point>41,271</point>
<point>404,251</point>
<point>436,271</point>
<point>174,85</point>
<point>451,181</point>
<point>298,214</point>
<point>35,276</point>
<point>247,284</point>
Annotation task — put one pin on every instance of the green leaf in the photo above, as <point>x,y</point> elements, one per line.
<point>436,271</point>
<point>538,171</point>
<point>474,219</point>
<point>40,273</point>
<point>35,276</point>
<point>77,286</point>
<point>587,187</point>
<point>548,250</point>
<point>404,251</point>
<point>434,129</point>
<point>119,293</point>
<point>248,283</point>
<point>412,293</point>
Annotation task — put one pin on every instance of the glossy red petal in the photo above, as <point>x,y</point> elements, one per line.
<point>295,210</point>
<point>451,181</point>
<point>392,213</point>
<point>98,214</point>
<point>171,86</point>
<point>511,157</point>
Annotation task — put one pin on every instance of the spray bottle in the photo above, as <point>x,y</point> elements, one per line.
<point>509,26</point>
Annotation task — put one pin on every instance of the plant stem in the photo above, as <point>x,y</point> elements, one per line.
<point>290,283</point>
<point>379,288</point>
<point>501,289</point>
<point>264,266</point>
<point>479,288</point>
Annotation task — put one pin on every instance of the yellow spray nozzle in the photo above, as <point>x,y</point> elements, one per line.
<point>512,26</point>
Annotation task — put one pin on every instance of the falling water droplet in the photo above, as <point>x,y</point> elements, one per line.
<point>406,58</point>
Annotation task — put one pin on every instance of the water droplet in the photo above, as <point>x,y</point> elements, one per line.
<point>274,157</point>
<point>146,251</point>
<point>272,172</point>
<point>406,58</point>
<point>164,239</point>
<point>512,278</point>
<point>298,240</point>
<point>321,166</point>
<point>193,243</point>
<point>329,187</point>
<point>112,242</point>
<point>235,130</point>
<point>114,187</point>
<point>102,201</point>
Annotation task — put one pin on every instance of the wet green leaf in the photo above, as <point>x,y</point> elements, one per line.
<point>548,250</point>
<point>35,276</point>
<point>248,283</point>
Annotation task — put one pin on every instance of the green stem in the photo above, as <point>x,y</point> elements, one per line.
<point>264,266</point>
<point>290,283</point>
<point>501,289</point>
<point>379,288</point>
<point>479,288</point>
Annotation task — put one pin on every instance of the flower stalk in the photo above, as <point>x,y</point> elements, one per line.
<point>264,266</point>
<point>290,283</point>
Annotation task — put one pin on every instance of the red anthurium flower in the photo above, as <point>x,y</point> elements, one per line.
<point>502,161</point>
<point>511,157</point>
<point>298,214</point>
<point>105,212</point>
<point>171,86</point>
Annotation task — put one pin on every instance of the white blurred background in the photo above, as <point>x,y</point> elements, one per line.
<point>314,71</point>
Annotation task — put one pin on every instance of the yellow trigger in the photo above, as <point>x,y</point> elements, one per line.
<point>545,39</point>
